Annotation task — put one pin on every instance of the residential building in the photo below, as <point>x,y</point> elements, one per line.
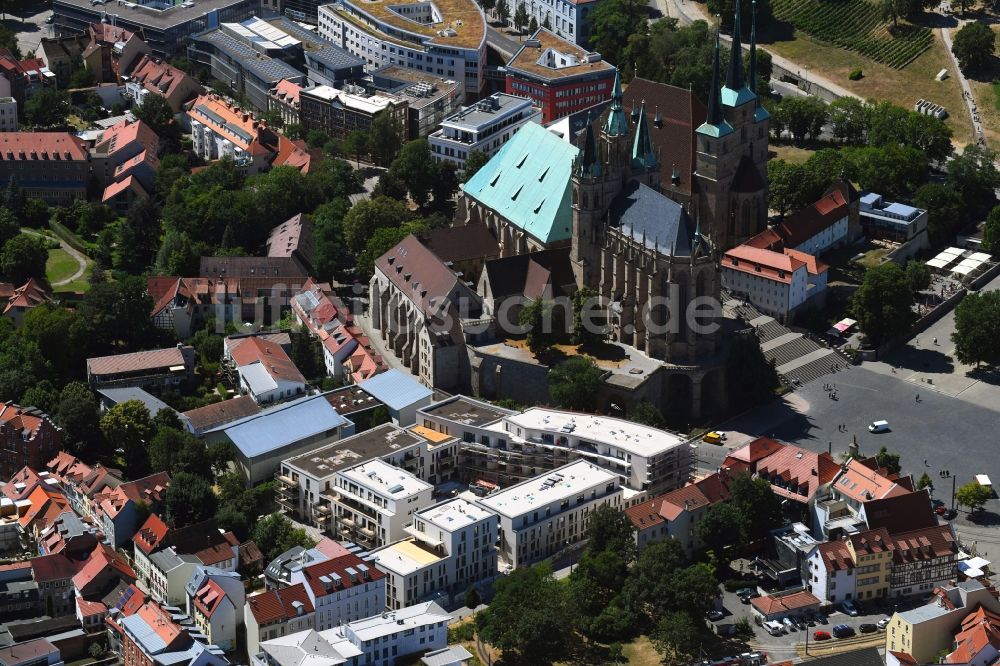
<point>155,634</point>
<point>372,502</point>
<point>37,652</point>
<point>275,613</point>
<point>339,112</point>
<point>676,514</point>
<point>429,98</point>
<point>215,600</point>
<point>164,26</point>
<point>837,567</point>
<point>154,370</point>
<point>264,439</point>
<point>925,631</point>
<point>831,222</point>
<point>794,473</point>
<point>560,77</point>
<point>19,594</point>
<point>449,41</point>
<point>79,481</point>
<point>485,126</point>
<point>22,78</point>
<point>451,548</point>
<point>166,558</point>
<point>61,55</point>
<point>23,299</point>
<point>977,642</point>
<point>776,607</point>
<point>342,588</point>
<point>52,166</point>
<point>265,371</point>
<point>780,284</point>
<point>220,129</point>
<point>280,570</point>
<point>284,98</point>
<point>417,306</point>
<point>121,510</point>
<point>126,149</point>
<point>54,576</point>
<point>68,534</point>
<point>307,482</point>
<point>891,220</point>
<point>402,395</point>
<point>8,115</point>
<point>104,572</point>
<point>386,639</point>
<point>506,446</point>
<point>548,515</point>
<point>153,75</point>
<point>293,238</point>
<point>112,52</point>
<point>923,559</point>
<point>110,397</point>
<point>28,437</point>
<point>860,482</point>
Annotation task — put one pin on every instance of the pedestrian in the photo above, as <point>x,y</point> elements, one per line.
<point>935,341</point>
<point>916,398</point>
<point>925,463</point>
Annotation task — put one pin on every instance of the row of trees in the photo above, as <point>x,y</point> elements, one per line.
<point>883,304</point>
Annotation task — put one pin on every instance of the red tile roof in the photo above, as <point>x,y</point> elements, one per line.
<point>151,534</point>
<point>924,544</point>
<point>52,146</point>
<point>768,605</point>
<point>48,568</point>
<point>161,622</point>
<point>90,608</point>
<point>338,565</point>
<point>277,605</point>
<point>209,598</point>
<point>901,513</point>
<point>269,354</point>
<point>158,77</point>
<point>154,359</point>
<point>103,561</point>
<point>225,411</point>
<point>861,483</point>
<point>287,91</point>
<point>28,295</point>
<point>231,116</point>
<point>124,134</point>
<point>705,492</point>
<point>979,629</point>
<point>802,225</point>
<point>295,154</point>
<point>46,505</point>
<point>794,473</point>
<point>776,266</point>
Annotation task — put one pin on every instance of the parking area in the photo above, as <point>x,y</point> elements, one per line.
<point>29,24</point>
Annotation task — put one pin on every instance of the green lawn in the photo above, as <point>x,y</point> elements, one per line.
<point>60,265</point>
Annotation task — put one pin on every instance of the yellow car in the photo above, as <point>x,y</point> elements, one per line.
<point>713,438</point>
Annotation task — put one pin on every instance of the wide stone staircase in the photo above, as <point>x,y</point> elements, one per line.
<point>797,358</point>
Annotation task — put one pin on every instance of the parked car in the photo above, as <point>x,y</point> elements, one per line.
<point>936,503</point>
<point>867,628</point>
<point>843,631</point>
<point>821,635</point>
<point>774,627</point>
<point>848,607</point>
<point>714,437</point>
<point>715,615</point>
<point>789,623</point>
<point>883,623</point>
<point>878,426</point>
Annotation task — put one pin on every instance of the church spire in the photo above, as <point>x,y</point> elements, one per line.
<point>734,81</point>
<point>617,123</point>
<point>714,112</point>
<point>752,75</point>
<point>643,156</point>
<point>589,166</point>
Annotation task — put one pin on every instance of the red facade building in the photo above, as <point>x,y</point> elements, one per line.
<point>561,77</point>
<point>28,438</point>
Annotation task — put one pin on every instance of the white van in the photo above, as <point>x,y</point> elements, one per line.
<point>879,426</point>
<point>774,627</point>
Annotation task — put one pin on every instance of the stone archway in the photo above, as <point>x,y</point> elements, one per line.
<point>712,393</point>
<point>678,399</point>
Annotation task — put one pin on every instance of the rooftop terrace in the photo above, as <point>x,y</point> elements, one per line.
<point>455,23</point>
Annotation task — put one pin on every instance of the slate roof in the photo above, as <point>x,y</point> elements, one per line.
<point>643,213</point>
<point>510,275</point>
<point>528,183</point>
<point>461,243</point>
<point>419,274</point>
<point>222,412</point>
<point>902,513</point>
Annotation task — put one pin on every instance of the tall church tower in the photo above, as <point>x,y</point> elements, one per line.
<point>731,149</point>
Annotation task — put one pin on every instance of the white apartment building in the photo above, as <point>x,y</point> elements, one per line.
<point>545,515</point>
<point>484,126</point>
<point>777,283</point>
<point>444,40</point>
<point>504,446</point>
<point>451,547</point>
<point>307,482</point>
<point>342,589</point>
<point>570,19</point>
<point>379,640</point>
<point>8,114</point>
<point>373,502</point>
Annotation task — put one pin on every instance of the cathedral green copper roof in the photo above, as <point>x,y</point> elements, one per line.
<point>528,183</point>
<point>733,98</point>
<point>722,129</point>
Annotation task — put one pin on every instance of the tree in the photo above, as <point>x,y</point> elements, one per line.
<point>676,635</point>
<point>574,383</point>
<point>891,125</point>
<point>751,378</point>
<point>850,119</point>
<point>24,257</point>
<point>991,231</point>
<point>415,168</point>
<point>78,415</point>
<point>588,322</point>
<point>128,426</point>
<point>81,77</point>
<point>973,495</point>
<point>366,217</point>
<point>889,461</point>
<point>306,353</point>
<point>974,176</point>
<point>502,11</point>
<point>444,187</point>
<point>756,501</point>
<point>382,241</point>
<point>919,275</point>
<point>35,213</point>
<point>42,395</point>
<point>804,116</point>
<point>647,414</point>
<point>974,46</point>
<point>722,526</point>
<point>385,137</point>
<point>356,143</point>
<point>520,17</point>
<point>47,108</point>
<point>474,161</point>
<point>610,529</point>
<point>783,183</point>
<point>188,500</point>
<point>546,23</point>
<point>139,236</point>
<point>275,534</point>
<point>155,111</point>
<point>613,23</point>
<point>925,482</point>
<point>544,322</point>
<point>532,25</point>
<point>472,598</point>
<point>893,10</point>
<point>883,304</point>
<point>595,595</point>
<point>977,319</point>
<point>945,212</point>
<point>528,617</point>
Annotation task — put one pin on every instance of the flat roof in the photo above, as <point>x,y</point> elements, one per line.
<point>350,451</point>
<point>462,23</point>
<point>396,389</point>
<point>454,514</point>
<point>368,104</point>
<point>465,410</point>
<point>632,437</point>
<point>487,110</point>
<point>549,56</point>
<point>281,425</point>
<point>405,557</point>
<point>161,19</point>
<point>561,483</point>
<point>385,478</point>
<point>392,622</point>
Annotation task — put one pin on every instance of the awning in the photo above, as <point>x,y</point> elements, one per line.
<point>983,480</point>
<point>844,324</point>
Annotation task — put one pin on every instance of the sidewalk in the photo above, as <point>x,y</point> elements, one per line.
<point>970,101</point>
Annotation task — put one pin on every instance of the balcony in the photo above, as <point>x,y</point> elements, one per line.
<point>321,510</point>
<point>286,480</point>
